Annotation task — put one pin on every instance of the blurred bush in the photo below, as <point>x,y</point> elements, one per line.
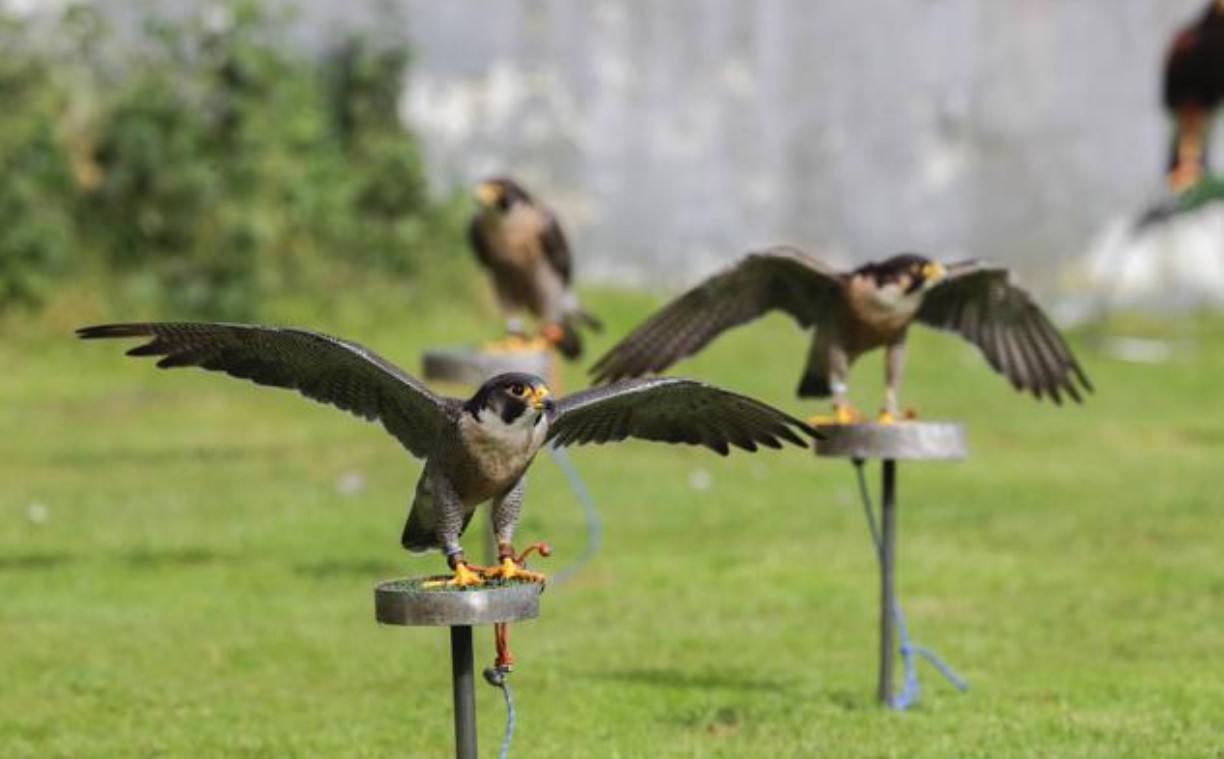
<point>209,166</point>
<point>36,186</point>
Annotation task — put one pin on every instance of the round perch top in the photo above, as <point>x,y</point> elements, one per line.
<point>466,366</point>
<point>905,441</point>
<point>406,602</point>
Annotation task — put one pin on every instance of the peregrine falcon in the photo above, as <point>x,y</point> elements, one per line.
<point>1193,89</point>
<point>855,312</point>
<point>520,242</point>
<point>475,450</point>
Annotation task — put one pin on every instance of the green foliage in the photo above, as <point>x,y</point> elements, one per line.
<point>219,167</point>
<point>35,177</point>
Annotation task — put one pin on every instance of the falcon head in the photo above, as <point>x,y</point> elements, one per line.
<point>906,272</point>
<point>500,194</point>
<point>516,399</point>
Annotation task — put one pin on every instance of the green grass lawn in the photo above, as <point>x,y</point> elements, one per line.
<point>181,573</point>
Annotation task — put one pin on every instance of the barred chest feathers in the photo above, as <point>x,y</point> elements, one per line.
<point>887,307</point>
<point>502,450</point>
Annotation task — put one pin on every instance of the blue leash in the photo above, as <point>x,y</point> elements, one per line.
<point>594,523</point>
<point>909,694</point>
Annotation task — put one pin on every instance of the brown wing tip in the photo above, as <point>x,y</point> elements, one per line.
<point>113,330</point>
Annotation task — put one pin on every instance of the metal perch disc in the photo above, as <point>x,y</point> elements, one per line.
<point>467,366</point>
<point>903,441</point>
<point>407,603</point>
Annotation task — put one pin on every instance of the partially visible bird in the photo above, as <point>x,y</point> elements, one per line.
<point>475,450</point>
<point>855,312</point>
<point>1193,89</point>
<point>520,243</point>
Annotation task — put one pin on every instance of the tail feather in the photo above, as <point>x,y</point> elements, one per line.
<point>568,338</point>
<point>815,381</point>
<point>814,385</point>
<point>569,341</point>
<point>419,533</point>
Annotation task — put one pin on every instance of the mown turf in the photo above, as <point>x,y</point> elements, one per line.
<point>187,563</point>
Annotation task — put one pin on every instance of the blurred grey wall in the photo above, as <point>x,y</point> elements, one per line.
<point>675,135</point>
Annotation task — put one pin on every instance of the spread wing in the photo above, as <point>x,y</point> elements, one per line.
<point>326,369</point>
<point>779,278</point>
<point>672,410</point>
<point>556,247</point>
<point>979,302</point>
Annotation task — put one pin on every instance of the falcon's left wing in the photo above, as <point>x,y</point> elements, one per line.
<point>979,302</point>
<point>671,410</point>
<point>556,247</point>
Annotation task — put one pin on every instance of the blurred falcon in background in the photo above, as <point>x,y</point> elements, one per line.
<point>475,450</point>
<point>1193,89</point>
<point>520,243</point>
<point>855,312</point>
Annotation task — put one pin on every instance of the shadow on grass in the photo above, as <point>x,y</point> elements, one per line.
<point>163,456</point>
<point>374,569</point>
<point>146,558</point>
<point>33,562</point>
<point>671,678</point>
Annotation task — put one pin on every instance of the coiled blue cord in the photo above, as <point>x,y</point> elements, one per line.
<point>594,523</point>
<point>909,694</point>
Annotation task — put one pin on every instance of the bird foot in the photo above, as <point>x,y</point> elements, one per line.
<point>509,570</point>
<point>891,417</point>
<point>553,334</point>
<point>1185,176</point>
<point>841,416</point>
<point>517,344</point>
<point>464,577</point>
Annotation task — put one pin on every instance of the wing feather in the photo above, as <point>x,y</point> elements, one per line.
<point>980,303</point>
<point>673,410</point>
<point>326,369</point>
<point>556,247</point>
<point>780,278</point>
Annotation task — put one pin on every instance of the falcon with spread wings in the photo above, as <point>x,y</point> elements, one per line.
<point>519,241</point>
<point>475,450</point>
<point>855,312</point>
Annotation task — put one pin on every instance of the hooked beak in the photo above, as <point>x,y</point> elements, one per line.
<point>540,400</point>
<point>488,194</point>
<point>933,272</point>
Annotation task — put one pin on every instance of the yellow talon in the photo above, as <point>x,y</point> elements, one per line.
<point>516,344</point>
<point>464,578</point>
<point>886,417</point>
<point>509,570</point>
<point>841,416</point>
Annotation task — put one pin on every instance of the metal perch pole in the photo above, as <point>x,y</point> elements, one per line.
<point>890,443</point>
<point>888,560</point>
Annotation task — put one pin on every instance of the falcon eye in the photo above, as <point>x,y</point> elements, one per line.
<point>518,389</point>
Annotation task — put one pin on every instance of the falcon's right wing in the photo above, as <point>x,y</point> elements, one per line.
<point>326,369</point>
<point>779,278</point>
